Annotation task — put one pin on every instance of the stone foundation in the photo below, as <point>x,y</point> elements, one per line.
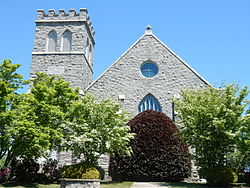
<point>80,183</point>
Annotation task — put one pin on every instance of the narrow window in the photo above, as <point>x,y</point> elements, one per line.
<point>149,102</point>
<point>90,53</point>
<point>66,41</point>
<point>51,41</point>
<point>87,50</point>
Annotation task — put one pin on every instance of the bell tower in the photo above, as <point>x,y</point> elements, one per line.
<point>64,46</point>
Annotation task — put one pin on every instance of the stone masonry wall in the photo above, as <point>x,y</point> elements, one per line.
<point>63,17</point>
<point>77,183</point>
<point>79,35</point>
<point>125,77</point>
<point>73,65</point>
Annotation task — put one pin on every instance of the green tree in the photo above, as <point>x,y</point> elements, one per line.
<point>51,100</point>
<point>35,122</point>
<point>30,123</point>
<point>214,123</point>
<point>96,128</point>
<point>241,157</point>
<point>39,116</point>
<point>10,82</point>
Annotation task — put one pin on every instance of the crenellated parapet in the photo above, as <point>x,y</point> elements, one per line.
<point>63,16</point>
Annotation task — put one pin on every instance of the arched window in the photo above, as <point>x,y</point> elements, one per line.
<point>149,102</point>
<point>66,41</point>
<point>51,41</point>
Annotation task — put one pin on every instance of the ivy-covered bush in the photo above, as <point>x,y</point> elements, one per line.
<point>158,154</point>
<point>218,176</point>
<point>82,171</point>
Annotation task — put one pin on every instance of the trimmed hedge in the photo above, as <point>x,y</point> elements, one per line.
<point>158,154</point>
<point>219,176</point>
<point>82,171</point>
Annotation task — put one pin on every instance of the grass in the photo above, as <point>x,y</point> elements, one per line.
<point>35,185</point>
<point>116,185</point>
<point>199,185</point>
<point>184,184</point>
<point>124,184</point>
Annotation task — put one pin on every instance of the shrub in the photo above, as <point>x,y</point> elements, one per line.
<point>81,171</point>
<point>158,154</point>
<point>218,176</point>
<point>247,178</point>
<point>25,170</point>
<point>50,171</point>
<point>4,173</point>
<point>101,171</point>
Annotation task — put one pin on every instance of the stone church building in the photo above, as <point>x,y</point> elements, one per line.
<point>146,76</point>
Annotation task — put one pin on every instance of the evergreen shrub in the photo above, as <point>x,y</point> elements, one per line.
<point>158,153</point>
<point>218,176</point>
<point>81,171</point>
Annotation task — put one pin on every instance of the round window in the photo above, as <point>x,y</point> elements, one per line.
<point>149,69</point>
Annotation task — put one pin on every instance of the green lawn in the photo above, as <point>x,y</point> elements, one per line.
<point>200,185</point>
<point>183,184</point>
<point>35,185</point>
<point>116,184</point>
<point>103,185</point>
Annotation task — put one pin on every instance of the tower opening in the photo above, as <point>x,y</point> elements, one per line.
<point>66,41</point>
<point>51,41</point>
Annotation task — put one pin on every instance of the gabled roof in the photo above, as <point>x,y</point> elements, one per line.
<point>164,45</point>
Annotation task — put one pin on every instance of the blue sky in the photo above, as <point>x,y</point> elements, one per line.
<point>212,36</point>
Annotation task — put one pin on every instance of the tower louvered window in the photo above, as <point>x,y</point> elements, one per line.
<point>149,102</point>
<point>66,41</point>
<point>51,41</point>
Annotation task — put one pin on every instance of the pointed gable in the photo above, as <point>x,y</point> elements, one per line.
<point>125,76</point>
